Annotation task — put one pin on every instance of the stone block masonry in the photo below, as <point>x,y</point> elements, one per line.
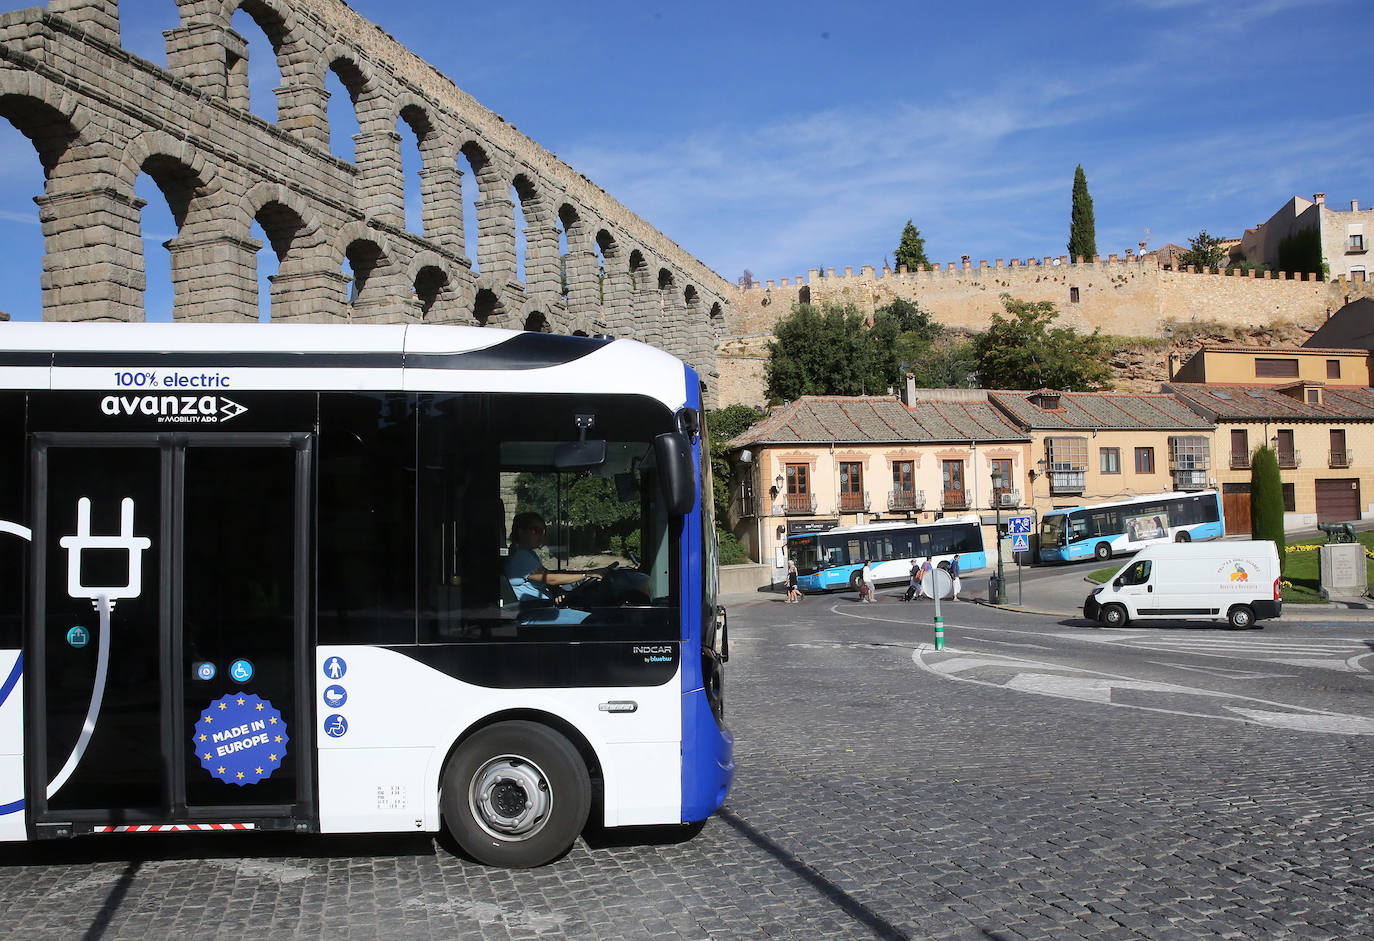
<point>99,118</point>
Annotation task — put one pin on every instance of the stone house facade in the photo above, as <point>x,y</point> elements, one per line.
<point>826,461</point>
<point>1342,235</point>
<point>1090,447</point>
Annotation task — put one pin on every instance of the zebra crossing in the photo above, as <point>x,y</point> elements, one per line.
<point>1344,654</point>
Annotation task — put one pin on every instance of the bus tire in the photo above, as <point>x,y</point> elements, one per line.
<point>1114,615</point>
<point>1240,617</point>
<point>515,795</point>
<point>855,581</point>
<point>1103,552</point>
<point>1182,537</point>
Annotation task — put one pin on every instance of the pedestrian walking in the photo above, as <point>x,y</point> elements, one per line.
<point>927,582</point>
<point>913,587</point>
<point>793,590</point>
<point>954,574</point>
<point>867,579</point>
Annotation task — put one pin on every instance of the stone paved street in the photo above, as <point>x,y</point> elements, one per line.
<point>876,797</point>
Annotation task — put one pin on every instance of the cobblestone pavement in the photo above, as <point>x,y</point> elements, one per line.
<point>874,798</point>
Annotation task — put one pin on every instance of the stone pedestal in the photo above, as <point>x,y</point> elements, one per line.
<point>1343,571</point>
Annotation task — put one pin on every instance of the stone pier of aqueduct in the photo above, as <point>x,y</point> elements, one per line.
<point>100,117</point>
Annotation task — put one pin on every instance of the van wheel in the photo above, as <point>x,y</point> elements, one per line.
<point>1183,537</point>
<point>516,795</point>
<point>1114,615</point>
<point>1103,552</point>
<point>1240,617</point>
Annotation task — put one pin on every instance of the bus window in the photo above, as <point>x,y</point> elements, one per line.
<point>13,549</point>
<point>486,460</point>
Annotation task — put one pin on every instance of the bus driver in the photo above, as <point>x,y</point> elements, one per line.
<point>528,578</point>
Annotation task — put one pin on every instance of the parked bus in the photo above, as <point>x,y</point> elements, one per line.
<point>833,559</point>
<point>1107,529</point>
<point>263,577</point>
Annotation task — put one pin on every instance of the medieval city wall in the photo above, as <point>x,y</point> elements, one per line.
<point>1129,296</point>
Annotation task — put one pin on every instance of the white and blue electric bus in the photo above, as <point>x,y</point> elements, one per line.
<point>260,576</point>
<point>832,560</point>
<point>1102,530</point>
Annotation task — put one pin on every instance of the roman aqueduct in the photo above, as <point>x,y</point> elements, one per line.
<point>99,117</point>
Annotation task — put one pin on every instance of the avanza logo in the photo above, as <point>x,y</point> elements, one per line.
<point>180,409</point>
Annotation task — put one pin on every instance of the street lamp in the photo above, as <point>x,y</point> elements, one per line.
<point>998,483</point>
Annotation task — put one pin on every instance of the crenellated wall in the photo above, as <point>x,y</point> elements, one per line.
<point>100,117</point>
<point>1130,296</point>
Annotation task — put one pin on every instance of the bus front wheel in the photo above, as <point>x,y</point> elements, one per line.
<point>1103,552</point>
<point>516,795</point>
<point>855,581</point>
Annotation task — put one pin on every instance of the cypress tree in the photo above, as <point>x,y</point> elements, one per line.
<point>1082,228</point>
<point>1266,499</point>
<point>911,251</point>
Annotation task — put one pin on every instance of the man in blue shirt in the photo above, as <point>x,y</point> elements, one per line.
<point>954,574</point>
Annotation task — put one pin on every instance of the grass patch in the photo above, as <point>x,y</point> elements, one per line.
<point>1302,580</point>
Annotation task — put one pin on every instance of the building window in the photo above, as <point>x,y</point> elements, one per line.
<point>1066,461</point>
<point>1283,447</point>
<point>1240,449</point>
<point>952,479</point>
<point>1333,369</point>
<point>1144,460</point>
<point>1357,274</point>
<point>1354,242</point>
<point>852,487</point>
<point>1276,368</point>
<point>1290,503</point>
<point>799,488</point>
<point>904,496</point>
<point>1073,295</point>
<point>1314,396</point>
<point>1340,457</point>
<point>1109,460</point>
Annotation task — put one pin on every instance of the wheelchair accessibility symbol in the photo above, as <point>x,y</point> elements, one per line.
<point>335,726</point>
<point>241,670</point>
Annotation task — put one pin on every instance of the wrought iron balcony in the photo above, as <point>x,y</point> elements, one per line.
<point>1341,458</point>
<point>1067,481</point>
<point>854,502</point>
<point>906,501</point>
<point>792,503</point>
<point>1190,480</point>
<point>1290,459</point>
<point>1240,461</point>
<point>954,500</point>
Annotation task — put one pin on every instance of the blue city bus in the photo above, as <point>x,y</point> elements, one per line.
<point>343,579</point>
<point>1102,530</point>
<point>832,560</point>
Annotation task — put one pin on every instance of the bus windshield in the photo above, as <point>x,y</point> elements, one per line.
<point>1052,530</point>
<point>805,552</point>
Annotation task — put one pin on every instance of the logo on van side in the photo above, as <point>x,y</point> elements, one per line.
<point>1235,574</point>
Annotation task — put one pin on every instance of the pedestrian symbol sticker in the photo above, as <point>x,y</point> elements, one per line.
<point>240,739</point>
<point>205,671</point>
<point>78,637</point>
<point>335,668</point>
<point>335,696</point>
<point>241,670</point>
<point>335,726</point>
<point>1020,543</point>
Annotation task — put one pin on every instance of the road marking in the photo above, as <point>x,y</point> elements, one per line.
<point>1320,654</point>
<point>1007,643</point>
<point>1222,672</point>
<point>1107,689</point>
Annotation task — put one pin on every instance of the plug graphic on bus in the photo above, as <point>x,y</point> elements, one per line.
<point>126,540</point>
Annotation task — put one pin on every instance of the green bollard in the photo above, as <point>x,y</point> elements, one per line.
<point>939,633</point>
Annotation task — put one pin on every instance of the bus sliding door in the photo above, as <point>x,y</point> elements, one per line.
<point>168,632</point>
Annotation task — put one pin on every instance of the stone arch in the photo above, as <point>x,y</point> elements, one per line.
<point>494,231</point>
<point>433,287</point>
<point>416,114</point>
<point>304,283</point>
<point>182,176</point>
<point>537,322</point>
<point>487,308</point>
<point>358,81</point>
<point>541,274</point>
<point>278,23</point>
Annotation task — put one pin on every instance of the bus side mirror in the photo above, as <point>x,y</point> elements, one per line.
<point>676,477</point>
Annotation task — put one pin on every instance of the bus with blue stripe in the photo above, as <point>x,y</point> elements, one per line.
<point>1103,530</point>
<point>832,560</point>
<point>355,579</point>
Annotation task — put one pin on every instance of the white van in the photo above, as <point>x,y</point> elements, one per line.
<point>1237,582</point>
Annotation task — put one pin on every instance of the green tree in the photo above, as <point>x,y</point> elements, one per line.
<point>1266,499</point>
<point>947,362</point>
<point>1082,227</point>
<point>1204,252</point>
<point>830,350</point>
<point>1301,253</point>
<point>723,424</point>
<point>911,251</point>
<point>1022,351</point>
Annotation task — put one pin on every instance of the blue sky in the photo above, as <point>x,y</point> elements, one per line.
<point>781,137</point>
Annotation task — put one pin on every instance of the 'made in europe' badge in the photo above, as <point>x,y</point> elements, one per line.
<point>240,739</point>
